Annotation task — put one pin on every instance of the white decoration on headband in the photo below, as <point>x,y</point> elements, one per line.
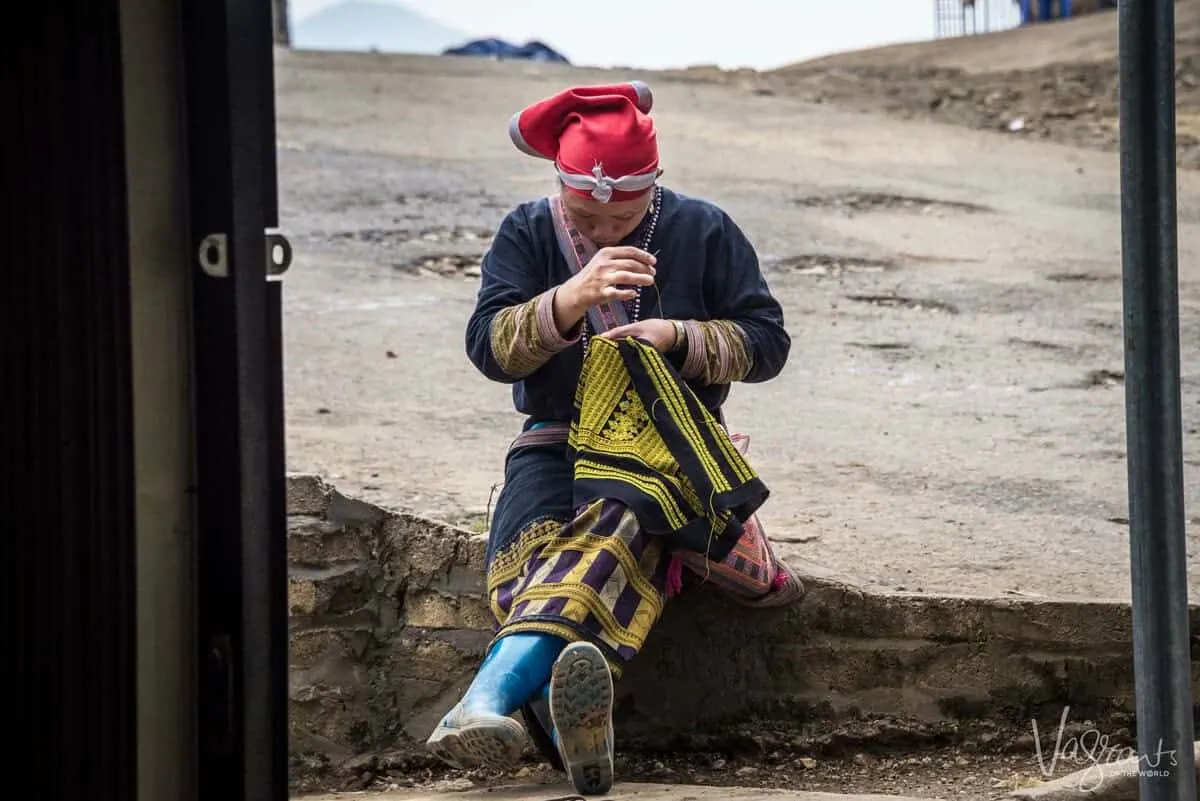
<point>602,186</point>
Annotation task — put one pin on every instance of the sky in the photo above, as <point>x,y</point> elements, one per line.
<point>657,34</point>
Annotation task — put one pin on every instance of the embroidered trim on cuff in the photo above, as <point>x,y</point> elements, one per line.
<point>693,364</point>
<point>547,329</point>
<point>524,337</point>
<point>718,352</point>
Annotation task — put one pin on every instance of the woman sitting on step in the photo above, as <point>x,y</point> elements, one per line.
<point>620,312</point>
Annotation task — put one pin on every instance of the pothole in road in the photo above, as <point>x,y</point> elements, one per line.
<point>902,302</point>
<point>373,236</point>
<point>447,265</point>
<point>400,236</point>
<point>1039,344</point>
<point>880,201</point>
<point>454,234</point>
<point>823,265</point>
<point>478,199</point>
<point>1101,378</point>
<point>1082,278</point>
<point>891,351</point>
<point>884,346</point>
<point>1093,379</point>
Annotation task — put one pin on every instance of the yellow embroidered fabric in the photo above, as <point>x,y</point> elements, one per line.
<point>642,437</point>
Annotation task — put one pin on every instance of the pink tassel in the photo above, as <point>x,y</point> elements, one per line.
<point>781,579</point>
<point>674,577</point>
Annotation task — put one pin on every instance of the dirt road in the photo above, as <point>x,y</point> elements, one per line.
<point>951,419</point>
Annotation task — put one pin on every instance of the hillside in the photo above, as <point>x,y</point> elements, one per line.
<point>1056,81</point>
<point>357,25</point>
<point>1086,39</point>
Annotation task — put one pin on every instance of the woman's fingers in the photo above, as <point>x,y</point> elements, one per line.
<point>629,266</point>
<point>627,252</point>
<point>617,293</point>
<point>622,278</point>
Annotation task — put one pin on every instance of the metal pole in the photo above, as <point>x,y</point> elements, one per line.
<point>1158,548</point>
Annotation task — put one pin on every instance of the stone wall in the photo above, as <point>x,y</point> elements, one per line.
<point>388,622</point>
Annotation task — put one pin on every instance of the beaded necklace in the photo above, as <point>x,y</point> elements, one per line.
<point>635,312</point>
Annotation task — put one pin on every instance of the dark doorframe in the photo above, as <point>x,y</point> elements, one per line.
<point>77,494</point>
<point>241,538</point>
<point>68,484</point>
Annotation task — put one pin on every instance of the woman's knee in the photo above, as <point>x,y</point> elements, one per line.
<point>537,473</point>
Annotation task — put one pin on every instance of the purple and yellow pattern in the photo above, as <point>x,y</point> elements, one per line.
<point>599,577</point>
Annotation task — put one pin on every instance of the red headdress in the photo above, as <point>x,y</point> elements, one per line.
<point>599,137</point>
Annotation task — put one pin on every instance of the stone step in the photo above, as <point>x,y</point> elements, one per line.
<point>389,622</point>
<point>621,792</point>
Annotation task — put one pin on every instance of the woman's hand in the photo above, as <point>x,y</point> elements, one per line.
<point>612,274</point>
<point>663,335</point>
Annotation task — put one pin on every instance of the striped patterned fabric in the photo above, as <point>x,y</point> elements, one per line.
<point>752,573</point>
<point>601,577</point>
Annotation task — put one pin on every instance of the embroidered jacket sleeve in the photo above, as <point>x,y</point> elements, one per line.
<point>746,339</point>
<point>512,332</point>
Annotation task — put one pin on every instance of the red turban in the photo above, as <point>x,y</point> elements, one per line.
<point>599,137</point>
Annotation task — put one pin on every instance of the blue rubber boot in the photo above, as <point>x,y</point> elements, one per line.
<point>541,708</point>
<point>479,730</point>
<point>515,670</point>
<point>580,702</point>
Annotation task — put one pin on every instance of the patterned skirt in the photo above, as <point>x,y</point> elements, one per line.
<point>595,520</point>
<point>590,573</point>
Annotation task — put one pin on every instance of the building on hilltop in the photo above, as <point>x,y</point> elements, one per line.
<point>966,17</point>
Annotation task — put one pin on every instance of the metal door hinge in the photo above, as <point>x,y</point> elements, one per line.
<point>213,255</point>
<point>279,256</point>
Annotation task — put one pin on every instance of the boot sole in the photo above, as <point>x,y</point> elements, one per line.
<point>493,743</point>
<point>581,702</point>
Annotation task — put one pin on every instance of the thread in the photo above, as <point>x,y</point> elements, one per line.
<point>487,515</point>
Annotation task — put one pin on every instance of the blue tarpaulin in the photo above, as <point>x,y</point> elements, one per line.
<point>498,48</point>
